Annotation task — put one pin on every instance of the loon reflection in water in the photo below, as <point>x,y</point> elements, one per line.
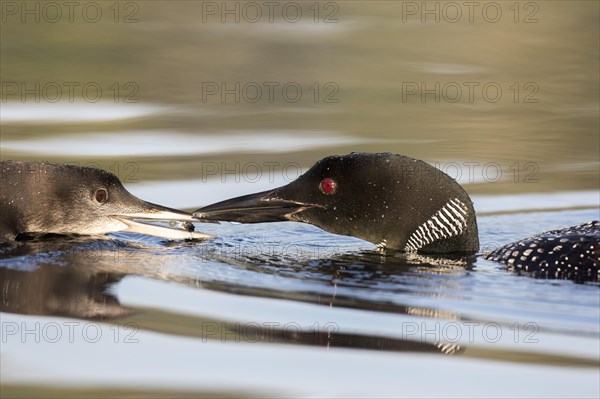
<point>68,284</point>
<point>405,204</point>
<point>81,289</point>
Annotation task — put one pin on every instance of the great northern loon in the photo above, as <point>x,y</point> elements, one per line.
<point>41,198</point>
<point>408,205</point>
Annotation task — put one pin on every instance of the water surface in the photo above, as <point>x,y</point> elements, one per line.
<point>285,309</point>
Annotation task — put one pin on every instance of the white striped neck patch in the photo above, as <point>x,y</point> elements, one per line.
<point>449,221</point>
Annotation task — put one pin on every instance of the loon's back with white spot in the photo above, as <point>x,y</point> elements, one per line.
<point>569,253</point>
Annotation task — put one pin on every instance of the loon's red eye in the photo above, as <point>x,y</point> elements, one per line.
<point>328,186</point>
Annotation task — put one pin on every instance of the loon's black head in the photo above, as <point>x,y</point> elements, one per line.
<point>41,197</point>
<point>387,199</point>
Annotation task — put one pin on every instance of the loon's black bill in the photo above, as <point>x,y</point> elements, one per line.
<point>253,208</point>
<point>184,230</point>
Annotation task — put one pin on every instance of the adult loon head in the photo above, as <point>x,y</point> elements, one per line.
<point>41,197</point>
<point>391,200</point>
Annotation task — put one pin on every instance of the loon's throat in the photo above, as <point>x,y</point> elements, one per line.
<point>449,221</point>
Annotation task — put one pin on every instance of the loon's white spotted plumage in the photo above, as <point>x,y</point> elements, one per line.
<point>449,221</point>
<point>572,252</point>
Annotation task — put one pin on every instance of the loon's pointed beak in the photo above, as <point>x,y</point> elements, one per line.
<point>260,207</point>
<point>184,229</point>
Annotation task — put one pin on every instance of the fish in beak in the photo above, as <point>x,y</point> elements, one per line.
<point>136,222</point>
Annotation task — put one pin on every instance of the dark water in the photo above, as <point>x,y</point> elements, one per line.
<point>285,309</point>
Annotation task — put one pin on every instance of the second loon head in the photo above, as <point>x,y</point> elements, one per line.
<point>388,199</point>
<point>42,198</point>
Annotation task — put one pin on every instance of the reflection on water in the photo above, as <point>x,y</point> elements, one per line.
<point>72,112</point>
<point>52,287</point>
<point>78,292</point>
<point>174,144</point>
<point>185,110</point>
<point>254,285</point>
<point>73,277</point>
<point>65,284</point>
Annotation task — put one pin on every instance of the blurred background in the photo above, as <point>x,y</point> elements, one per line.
<point>191,102</point>
<point>172,85</point>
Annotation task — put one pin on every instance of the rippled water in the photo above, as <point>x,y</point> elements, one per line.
<point>285,309</point>
<point>255,295</point>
